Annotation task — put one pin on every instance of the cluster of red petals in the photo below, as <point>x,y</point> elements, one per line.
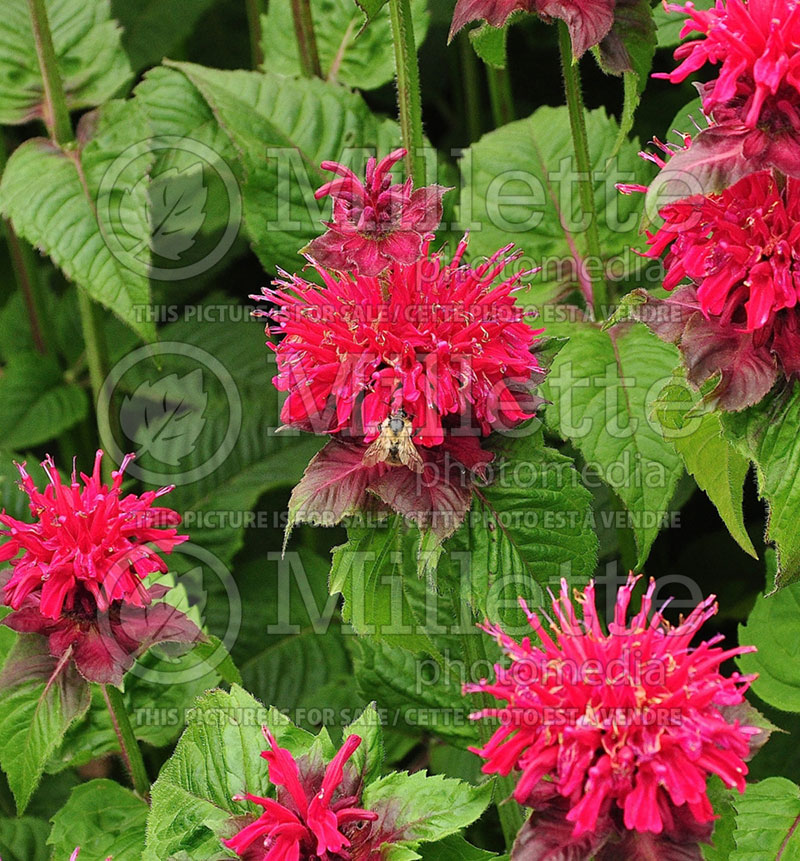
<point>589,21</point>
<point>310,814</point>
<point>79,578</point>
<point>631,720</point>
<point>377,221</point>
<point>441,340</point>
<point>757,44</point>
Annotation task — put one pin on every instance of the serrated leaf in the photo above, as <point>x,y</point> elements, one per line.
<point>368,756</point>
<point>426,809</point>
<point>717,467</point>
<point>38,404</point>
<point>370,8</point>
<point>177,210</point>
<point>770,628</point>
<point>40,699</point>
<point>531,526</point>
<point>767,818</point>
<point>282,129</point>
<point>722,842</point>
<point>104,819</point>
<point>217,757</point>
<point>603,386</point>
<point>89,56</point>
<point>347,54</point>
<point>489,43</point>
<point>769,435</point>
<point>53,198</point>
<point>519,186</point>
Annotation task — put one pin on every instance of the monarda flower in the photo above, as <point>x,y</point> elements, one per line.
<point>418,363</point>
<point>376,222</point>
<point>614,734</point>
<point>315,813</point>
<point>79,580</point>
<point>735,257</point>
<point>754,104</point>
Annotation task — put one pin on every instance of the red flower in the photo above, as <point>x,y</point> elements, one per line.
<point>79,578</point>
<point>313,812</point>
<point>738,253</point>
<point>441,341</point>
<point>589,21</point>
<point>628,723</point>
<point>757,44</point>
<point>377,222</point>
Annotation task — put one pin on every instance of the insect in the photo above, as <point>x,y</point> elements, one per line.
<point>394,444</point>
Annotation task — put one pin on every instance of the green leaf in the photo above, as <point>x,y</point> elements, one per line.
<point>40,699</point>
<point>717,467</point>
<point>769,435</point>
<point>357,59</point>
<point>529,528</point>
<point>37,402</point>
<point>24,839</point>
<point>91,61</point>
<point>603,386</point>
<point>771,628</point>
<point>425,809</point>
<point>455,848</point>
<point>217,757</point>
<point>518,185</point>
<point>104,819</point>
<point>370,8</point>
<point>368,757</point>
<point>767,818</point>
<point>54,200</point>
<point>670,24</point>
<point>722,842</point>
<point>153,28</point>
<point>489,43</point>
<point>374,572</point>
<point>283,128</point>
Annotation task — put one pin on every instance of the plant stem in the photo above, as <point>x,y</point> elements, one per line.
<point>306,40</point>
<point>470,77</point>
<point>580,141</point>
<point>409,99</point>
<point>97,360</point>
<point>129,747</point>
<point>473,646</point>
<point>56,112</point>
<point>500,96</point>
<point>253,8</point>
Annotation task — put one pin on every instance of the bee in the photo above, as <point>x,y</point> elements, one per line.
<point>394,445</point>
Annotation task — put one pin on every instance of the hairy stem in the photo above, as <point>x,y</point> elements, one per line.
<point>306,40</point>
<point>471,81</point>
<point>580,141</point>
<point>409,99</point>
<point>500,96</point>
<point>56,112</point>
<point>129,747</point>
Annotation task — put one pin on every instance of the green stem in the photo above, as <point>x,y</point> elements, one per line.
<point>97,360</point>
<point>511,815</point>
<point>306,40</point>
<point>129,747</point>
<point>409,99</point>
<point>253,8</point>
<point>471,79</point>
<point>500,96</point>
<point>56,112</point>
<point>580,141</point>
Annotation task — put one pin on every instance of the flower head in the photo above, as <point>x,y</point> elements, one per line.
<point>442,342</point>
<point>377,221</point>
<point>79,580</point>
<point>757,44</point>
<point>312,814</point>
<point>627,723</point>
<point>589,21</point>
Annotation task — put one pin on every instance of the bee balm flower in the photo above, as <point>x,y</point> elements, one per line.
<point>618,730</point>
<point>79,580</point>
